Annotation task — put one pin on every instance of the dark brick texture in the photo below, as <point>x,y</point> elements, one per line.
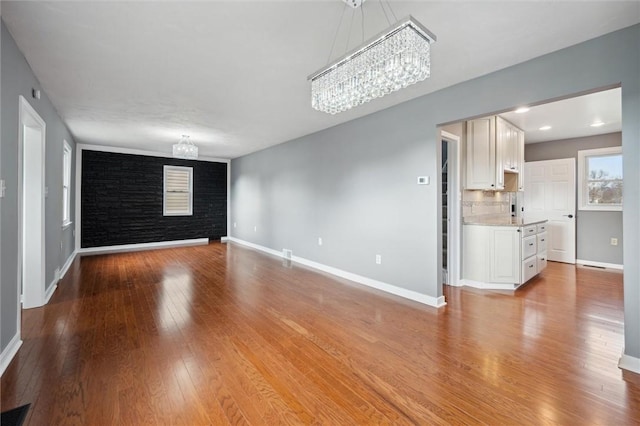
<point>122,200</point>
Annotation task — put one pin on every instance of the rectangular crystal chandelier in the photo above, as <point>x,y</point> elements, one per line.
<point>392,60</point>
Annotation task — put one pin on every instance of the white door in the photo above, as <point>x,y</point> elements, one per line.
<point>550,193</point>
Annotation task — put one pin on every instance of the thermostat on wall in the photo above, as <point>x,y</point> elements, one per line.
<point>423,180</point>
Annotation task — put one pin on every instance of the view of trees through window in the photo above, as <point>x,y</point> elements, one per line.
<point>604,179</point>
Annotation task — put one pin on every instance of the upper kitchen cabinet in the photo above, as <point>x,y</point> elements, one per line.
<point>481,154</point>
<point>494,155</point>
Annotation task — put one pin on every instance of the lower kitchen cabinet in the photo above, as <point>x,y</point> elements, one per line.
<point>502,257</point>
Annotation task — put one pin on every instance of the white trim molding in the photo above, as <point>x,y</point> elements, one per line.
<point>599,264</point>
<point>121,150</point>
<point>68,264</point>
<point>369,282</point>
<point>142,246</point>
<point>52,286</point>
<point>9,352</point>
<point>629,363</point>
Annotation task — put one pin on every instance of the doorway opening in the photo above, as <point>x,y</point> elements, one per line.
<point>31,181</point>
<point>450,207</point>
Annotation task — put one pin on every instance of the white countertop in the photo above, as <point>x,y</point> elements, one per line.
<point>501,220</point>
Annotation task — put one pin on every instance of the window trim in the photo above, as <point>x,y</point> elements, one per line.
<point>164,191</point>
<point>67,166</point>
<point>583,197</point>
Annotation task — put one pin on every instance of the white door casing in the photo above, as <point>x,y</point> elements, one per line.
<point>31,239</point>
<point>550,193</point>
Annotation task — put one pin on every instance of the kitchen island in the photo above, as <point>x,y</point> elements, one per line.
<point>501,252</point>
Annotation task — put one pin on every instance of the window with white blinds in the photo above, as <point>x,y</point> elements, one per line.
<point>178,191</point>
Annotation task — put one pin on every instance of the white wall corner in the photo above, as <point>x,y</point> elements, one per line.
<point>629,363</point>
<point>436,302</point>
<point>9,352</point>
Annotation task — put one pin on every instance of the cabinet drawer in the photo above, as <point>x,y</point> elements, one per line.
<point>529,268</point>
<point>541,227</point>
<point>542,261</point>
<point>529,230</point>
<point>529,246</point>
<point>542,242</point>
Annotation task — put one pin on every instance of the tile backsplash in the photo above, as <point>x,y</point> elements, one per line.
<point>480,203</point>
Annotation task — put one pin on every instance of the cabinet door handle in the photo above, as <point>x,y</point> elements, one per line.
<point>530,266</point>
<point>542,240</point>
<point>530,244</point>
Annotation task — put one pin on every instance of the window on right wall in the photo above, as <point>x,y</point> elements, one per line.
<point>600,179</point>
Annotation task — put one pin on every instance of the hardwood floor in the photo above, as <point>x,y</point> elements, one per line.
<point>222,334</point>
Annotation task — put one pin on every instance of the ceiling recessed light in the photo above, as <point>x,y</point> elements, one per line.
<point>597,124</point>
<point>521,110</point>
<point>545,128</point>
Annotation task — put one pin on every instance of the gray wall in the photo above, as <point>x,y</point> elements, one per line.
<point>593,229</point>
<point>18,79</point>
<point>355,184</point>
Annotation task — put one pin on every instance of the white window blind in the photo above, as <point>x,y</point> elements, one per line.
<point>66,184</point>
<point>178,191</point>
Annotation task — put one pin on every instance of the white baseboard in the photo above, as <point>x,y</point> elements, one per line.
<point>488,286</point>
<point>52,287</point>
<point>388,288</point>
<point>9,352</point>
<point>143,246</point>
<point>629,363</point>
<point>599,264</point>
<point>68,263</point>
<point>224,239</point>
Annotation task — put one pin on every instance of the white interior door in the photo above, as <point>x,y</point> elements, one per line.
<point>550,193</point>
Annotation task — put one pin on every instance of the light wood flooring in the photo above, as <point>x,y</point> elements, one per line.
<point>222,334</point>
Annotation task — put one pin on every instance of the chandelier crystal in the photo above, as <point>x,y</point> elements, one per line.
<point>394,59</point>
<point>185,149</point>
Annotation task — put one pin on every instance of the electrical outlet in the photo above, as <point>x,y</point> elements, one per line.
<point>255,229</point>
<point>614,241</point>
<point>234,224</point>
<point>3,188</point>
<point>319,241</point>
<point>378,259</point>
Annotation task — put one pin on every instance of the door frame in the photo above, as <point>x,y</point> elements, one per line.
<point>454,200</point>
<point>33,295</point>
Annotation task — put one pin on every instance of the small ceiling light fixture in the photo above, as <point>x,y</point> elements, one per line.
<point>185,149</point>
<point>521,110</point>
<point>597,124</point>
<point>545,128</point>
<point>394,59</point>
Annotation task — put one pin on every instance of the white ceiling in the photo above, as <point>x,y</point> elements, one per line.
<point>571,118</point>
<point>232,74</point>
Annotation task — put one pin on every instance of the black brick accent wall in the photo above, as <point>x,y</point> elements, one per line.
<point>122,200</point>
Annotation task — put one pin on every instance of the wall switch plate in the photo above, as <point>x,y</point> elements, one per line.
<point>255,229</point>
<point>614,241</point>
<point>234,224</point>
<point>3,188</point>
<point>378,259</point>
<point>423,180</point>
<point>319,241</point>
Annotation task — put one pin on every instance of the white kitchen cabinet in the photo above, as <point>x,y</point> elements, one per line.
<point>502,257</point>
<point>480,156</point>
<point>494,155</point>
